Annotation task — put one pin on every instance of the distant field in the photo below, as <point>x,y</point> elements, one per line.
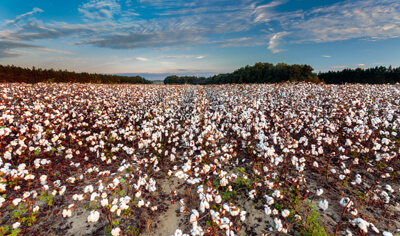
<point>304,159</point>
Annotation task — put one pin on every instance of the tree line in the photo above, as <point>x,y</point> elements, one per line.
<point>16,74</point>
<point>282,72</point>
<point>259,73</point>
<point>377,75</point>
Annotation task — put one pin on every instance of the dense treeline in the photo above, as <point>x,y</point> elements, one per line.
<point>259,73</point>
<point>377,75</point>
<point>26,75</point>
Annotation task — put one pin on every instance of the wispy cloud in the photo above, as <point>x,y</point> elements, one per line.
<point>275,41</point>
<point>326,56</point>
<point>139,59</point>
<point>50,50</point>
<point>360,64</point>
<point>20,17</point>
<point>338,67</point>
<point>100,9</point>
<point>264,12</point>
<point>366,19</point>
<point>182,56</point>
<point>7,46</point>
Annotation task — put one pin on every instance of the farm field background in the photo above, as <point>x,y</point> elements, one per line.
<point>268,159</point>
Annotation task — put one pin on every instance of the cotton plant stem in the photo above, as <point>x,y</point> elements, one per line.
<point>341,217</point>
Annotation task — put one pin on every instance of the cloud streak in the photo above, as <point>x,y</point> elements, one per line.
<point>139,59</point>
<point>367,20</point>
<point>100,9</point>
<point>182,56</point>
<point>275,41</point>
<point>20,17</point>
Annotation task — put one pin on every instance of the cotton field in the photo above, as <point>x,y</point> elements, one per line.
<point>297,159</point>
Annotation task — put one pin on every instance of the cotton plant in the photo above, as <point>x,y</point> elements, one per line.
<point>105,146</point>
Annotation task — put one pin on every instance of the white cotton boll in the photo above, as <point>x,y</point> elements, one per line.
<point>277,194</point>
<point>348,233</point>
<point>43,178</point>
<point>323,204</point>
<point>320,192</point>
<point>88,188</point>
<point>267,210</point>
<point>182,202</point>
<point>354,212</point>
<point>358,179</point>
<point>66,213</point>
<point>315,164</point>
<point>235,211</point>
<point>16,201</point>
<point>252,193</point>
<point>285,213</point>
<point>194,216</point>
<point>224,182</point>
<point>385,233</point>
<point>204,205</point>
<point>178,232</point>
<point>243,215</point>
<point>104,202</point>
<point>362,224</point>
<point>94,216</point>
<point>218,199</point>
<point>16,225</point>
<point>342,177</point>
<point>36,209</point>
<point>389,188</point>
<point>115,207</point>
<point>278,224</point>
<point>345,201</point>
<point>270,200</point>
<point>116,231</point>
<point>374,228</point>
<point>182,209</point>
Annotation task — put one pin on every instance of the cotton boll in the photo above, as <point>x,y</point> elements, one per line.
<point>267,210</point>
<point>94,216</point>
<point>16,225</point>
<point>285,213</point>
<point>362,224</point>
<point>323,205</point>
<point>66,213</point>
<point>243,215</point>
<point>218,199</point>
<point>116,231</point>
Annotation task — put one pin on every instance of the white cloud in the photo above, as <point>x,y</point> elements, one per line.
<point>20,17</point>
<point>140,59</point>
<point>100,9</point>
<point>51,50</point>
<point>275,41</point>
<point>326,56</point>
<point>363,19</point>
<point>360,64</point>
<point>338,67</point>
<point>182,56</point>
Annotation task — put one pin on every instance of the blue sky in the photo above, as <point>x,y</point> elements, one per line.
<point>201,37</point>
